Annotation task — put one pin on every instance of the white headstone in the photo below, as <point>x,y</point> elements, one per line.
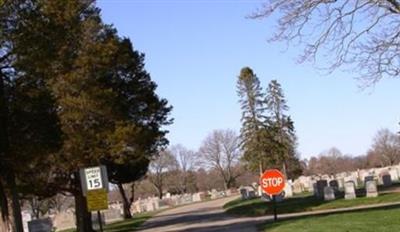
<point>340,183</point>
<point>371,189</point>
<point>26,217</point>
<point>196,197</point>
<point>64,221</point>
<point>288,190</point>
<point>349,190</point>
<point>112,215</point>
<point>394,175</point>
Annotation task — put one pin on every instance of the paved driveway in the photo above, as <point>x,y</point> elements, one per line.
<point>200,217</point>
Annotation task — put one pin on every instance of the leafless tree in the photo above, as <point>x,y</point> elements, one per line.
<point>186,161</point>
<point>333,161</point>
<point>363,34</point>
<point>220,150</point>
<point>159,169</point>
<point>385,149</point>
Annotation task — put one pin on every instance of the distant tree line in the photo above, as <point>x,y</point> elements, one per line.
<point>384,151</point>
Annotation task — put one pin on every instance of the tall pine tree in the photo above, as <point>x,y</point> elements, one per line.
<point>251,101</point>
<point>282,137</point>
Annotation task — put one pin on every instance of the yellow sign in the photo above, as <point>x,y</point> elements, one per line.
<point>97,200</point>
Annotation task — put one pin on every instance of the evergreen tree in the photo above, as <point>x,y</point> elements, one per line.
<point>105,101</point>
<point>282,138</point>
<point>28,126</point>
<point>251,101</point>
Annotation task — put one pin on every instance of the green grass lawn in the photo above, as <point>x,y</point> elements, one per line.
<point>126,225</point>
<point>371,220</point>
<point>257,207</point>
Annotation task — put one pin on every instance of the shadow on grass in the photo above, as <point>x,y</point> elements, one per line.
<point>257,207</point>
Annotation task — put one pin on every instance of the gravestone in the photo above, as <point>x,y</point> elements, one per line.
<point>387,180</point>
<point>251,194</point>
<point>315,190</point>
<point>95,220</point>
<point>150,206</point>
<point>265,197</point>
<point>340,183</point>
<point>26,217</point>
<point>64,221</point>
<point>243,193</point>
<point>40,225</point>
<point>371,189</point>
<point>368,178</point>
<point>320,185</point>
<point>214,194</point>
<point>280,197</point>
<point>297,188</point>
<point>112,215</point>
<point>288,190</point>
<point>393,174</point>
<point>349,190</point>
<point>187,198</point>
<point>329,193</point>
<point>334,184</point>
<point>196,197</point>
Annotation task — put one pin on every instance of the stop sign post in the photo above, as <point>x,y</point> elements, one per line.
<point>272,183</point>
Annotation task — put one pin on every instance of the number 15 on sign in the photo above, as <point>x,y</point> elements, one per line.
<point>93,178</point>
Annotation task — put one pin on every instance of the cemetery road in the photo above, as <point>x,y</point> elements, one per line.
<point>199,217</point>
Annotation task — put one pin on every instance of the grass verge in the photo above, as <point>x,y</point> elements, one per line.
<point>257,207</point>
<point>126,225</point>
<point>382,220</point>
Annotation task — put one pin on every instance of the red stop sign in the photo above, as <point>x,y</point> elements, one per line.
<point>272,182</point>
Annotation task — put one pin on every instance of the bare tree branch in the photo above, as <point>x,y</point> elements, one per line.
<point>361,34</point>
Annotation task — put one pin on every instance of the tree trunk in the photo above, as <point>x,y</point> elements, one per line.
<point>16,207</point>
<point>4,227</point>
<point>83,217</point>
<point>125,201</point>
<point>4,153</point>
<point>160,192</point>
<point>3,203</point>
<point>132,193</point>
<point>284,170</point>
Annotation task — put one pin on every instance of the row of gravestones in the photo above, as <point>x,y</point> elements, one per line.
<point>249,192</point>
<point>154,203</point>
<point>328,192</point>
<point>382,175</point>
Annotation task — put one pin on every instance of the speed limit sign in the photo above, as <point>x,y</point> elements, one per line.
<point>94,178</point>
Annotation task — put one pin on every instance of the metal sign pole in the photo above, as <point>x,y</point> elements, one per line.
<point>274,205</point>
<point>100,221</point>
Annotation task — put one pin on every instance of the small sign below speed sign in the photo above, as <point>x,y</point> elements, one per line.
<point>94,178</point>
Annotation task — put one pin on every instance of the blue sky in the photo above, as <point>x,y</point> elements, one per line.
<point>195,50</point>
